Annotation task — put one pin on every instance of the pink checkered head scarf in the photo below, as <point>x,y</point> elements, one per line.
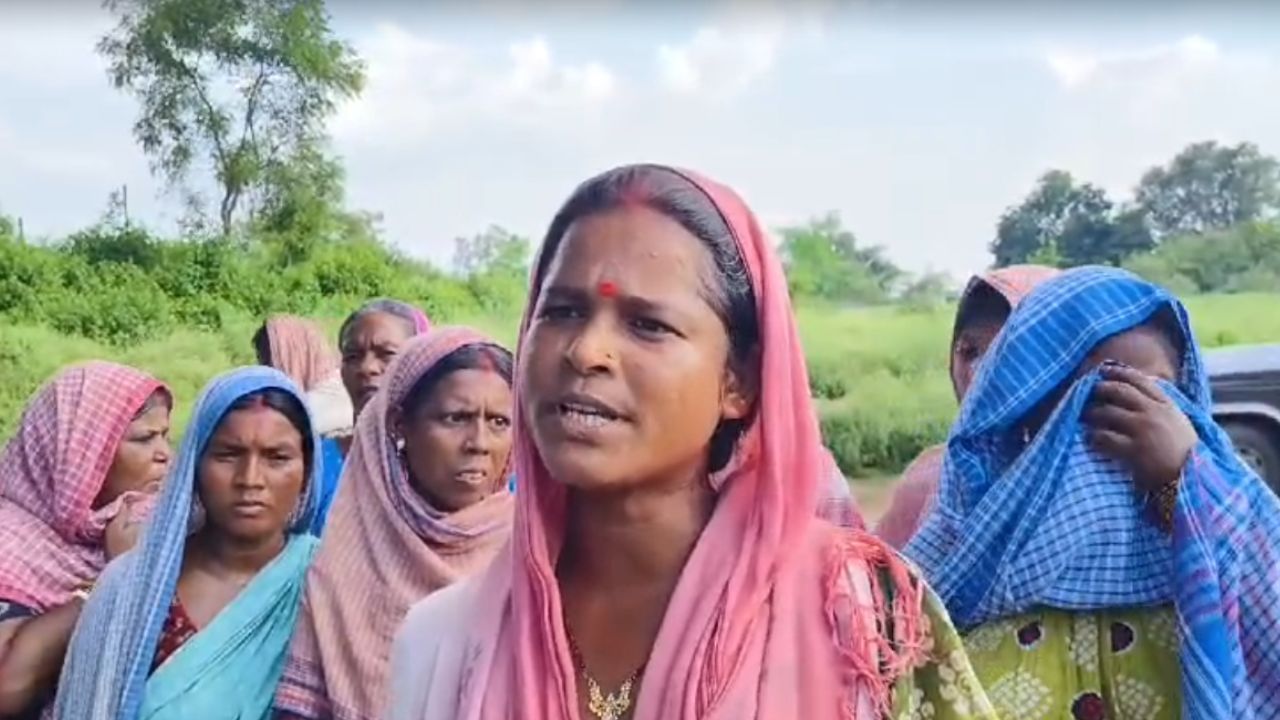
<point>51,472</point>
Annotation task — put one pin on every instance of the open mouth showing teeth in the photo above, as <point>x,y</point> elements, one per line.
<point>586,416</point>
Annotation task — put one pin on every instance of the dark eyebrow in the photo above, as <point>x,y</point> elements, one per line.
<point>634,303</point>
<point>564,292</point>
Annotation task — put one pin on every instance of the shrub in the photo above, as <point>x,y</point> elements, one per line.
<point>118,304</point>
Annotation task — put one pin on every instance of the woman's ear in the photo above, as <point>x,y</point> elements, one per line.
<point>395,423</point>
<point>741,387</point>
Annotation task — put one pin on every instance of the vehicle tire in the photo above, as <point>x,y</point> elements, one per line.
<point>1258,447</point>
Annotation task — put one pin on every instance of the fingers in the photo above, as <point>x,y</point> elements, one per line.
<point>1121,394</point>
<point>1111,443</point>
<point>1139,380</point>
<point>1106,416</point>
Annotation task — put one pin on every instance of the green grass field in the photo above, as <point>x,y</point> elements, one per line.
<point>880,373</point>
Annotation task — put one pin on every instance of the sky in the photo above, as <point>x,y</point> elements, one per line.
<point>919,122</point>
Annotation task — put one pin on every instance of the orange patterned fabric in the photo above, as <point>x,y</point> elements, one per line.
<point>300,349</point>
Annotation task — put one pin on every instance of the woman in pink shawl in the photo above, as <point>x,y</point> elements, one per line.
<point>423,502</point>
<point>643,581</point>
<point>982,311</point>
<point>90,443</point>
<point>299,348</point>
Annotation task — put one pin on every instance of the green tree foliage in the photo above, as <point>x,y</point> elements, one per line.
<point>823,260</point>
<point>495,264</point>
<point>242,86</point>
<point>1064,223</point>
<point>1245,258</point>
<point>1210,187</point>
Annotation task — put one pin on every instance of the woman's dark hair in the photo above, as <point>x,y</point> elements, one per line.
<point>476,356</point>
<point>285,404</point>
<point>153,401</point>
<point>980,303</point>
<point>729,292</point>
<point>385,306</point>
<point>1165,321</point>
<point>262,345</point>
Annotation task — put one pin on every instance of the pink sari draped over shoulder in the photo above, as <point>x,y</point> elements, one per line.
<point>913,498</point>
<point>777,613</point>
<point>384,548</point>
<point>300,350</point>
<point>52,470</point>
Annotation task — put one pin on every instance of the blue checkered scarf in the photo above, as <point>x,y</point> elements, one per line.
<point>115,641</point>
<point>1050,523</point>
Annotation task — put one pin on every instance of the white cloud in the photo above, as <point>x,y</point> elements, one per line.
<point>535,78</point>
<point>1075,68</point>
<point>416,85</point>
<point>1121,111</point>
<point>719,62</point>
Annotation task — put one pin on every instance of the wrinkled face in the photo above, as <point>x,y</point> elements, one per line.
<point>369,346</point>
<point>458,441</point>
<point>625,372</point>
<point>142,458</point>
<point>251,474</point>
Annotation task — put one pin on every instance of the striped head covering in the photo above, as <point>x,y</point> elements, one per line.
<point>115,641</point>
<point>300,350</point>
<point>52,471</point>
<point>385,547</point>
<point>914,496</point>
<point>1051,523</point>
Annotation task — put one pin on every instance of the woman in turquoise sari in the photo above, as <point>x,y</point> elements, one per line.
<point>195,622</point>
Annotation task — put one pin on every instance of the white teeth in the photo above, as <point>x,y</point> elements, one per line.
<point>585,419</point>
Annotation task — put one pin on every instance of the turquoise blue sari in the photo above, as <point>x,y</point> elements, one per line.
<point>229,669</point>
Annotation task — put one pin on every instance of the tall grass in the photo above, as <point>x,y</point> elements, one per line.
<point>880,374</point>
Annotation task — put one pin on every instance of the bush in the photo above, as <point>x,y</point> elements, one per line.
<point>118,304</point>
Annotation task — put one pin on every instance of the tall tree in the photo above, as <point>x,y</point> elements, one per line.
<point>1060,219</point>
<point>241,86</point>
<point>496,251</point>
<point>823,259</point>
<point>1091,238</point>
<point>1210,187</point>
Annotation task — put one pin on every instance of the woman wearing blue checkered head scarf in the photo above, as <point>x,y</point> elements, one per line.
<point>195,622</point>
<point>1095,533</point>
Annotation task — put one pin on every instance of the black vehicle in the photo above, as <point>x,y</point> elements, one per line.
<point>1246,401</point>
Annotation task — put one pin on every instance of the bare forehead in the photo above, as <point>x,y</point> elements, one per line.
<point>377,326</point>
<point>471,385</point>
<point>625,241</point>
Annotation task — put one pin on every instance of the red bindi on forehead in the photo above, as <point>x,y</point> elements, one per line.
<point>257,404</point>
<point>607,289</point>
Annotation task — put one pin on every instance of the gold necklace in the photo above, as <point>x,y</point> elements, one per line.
<point>611,706</point>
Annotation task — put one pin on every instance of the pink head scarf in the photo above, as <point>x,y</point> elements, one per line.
<point>763,623</point>
<point>52,470</point>
<point>919,484</point>
<point>300,349</point>
<point>384,549</point>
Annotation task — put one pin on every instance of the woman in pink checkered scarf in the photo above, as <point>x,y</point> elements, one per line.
<point>91,446</point>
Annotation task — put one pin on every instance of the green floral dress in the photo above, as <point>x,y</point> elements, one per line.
<point>1058,665</point>
<point>946,687</point>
